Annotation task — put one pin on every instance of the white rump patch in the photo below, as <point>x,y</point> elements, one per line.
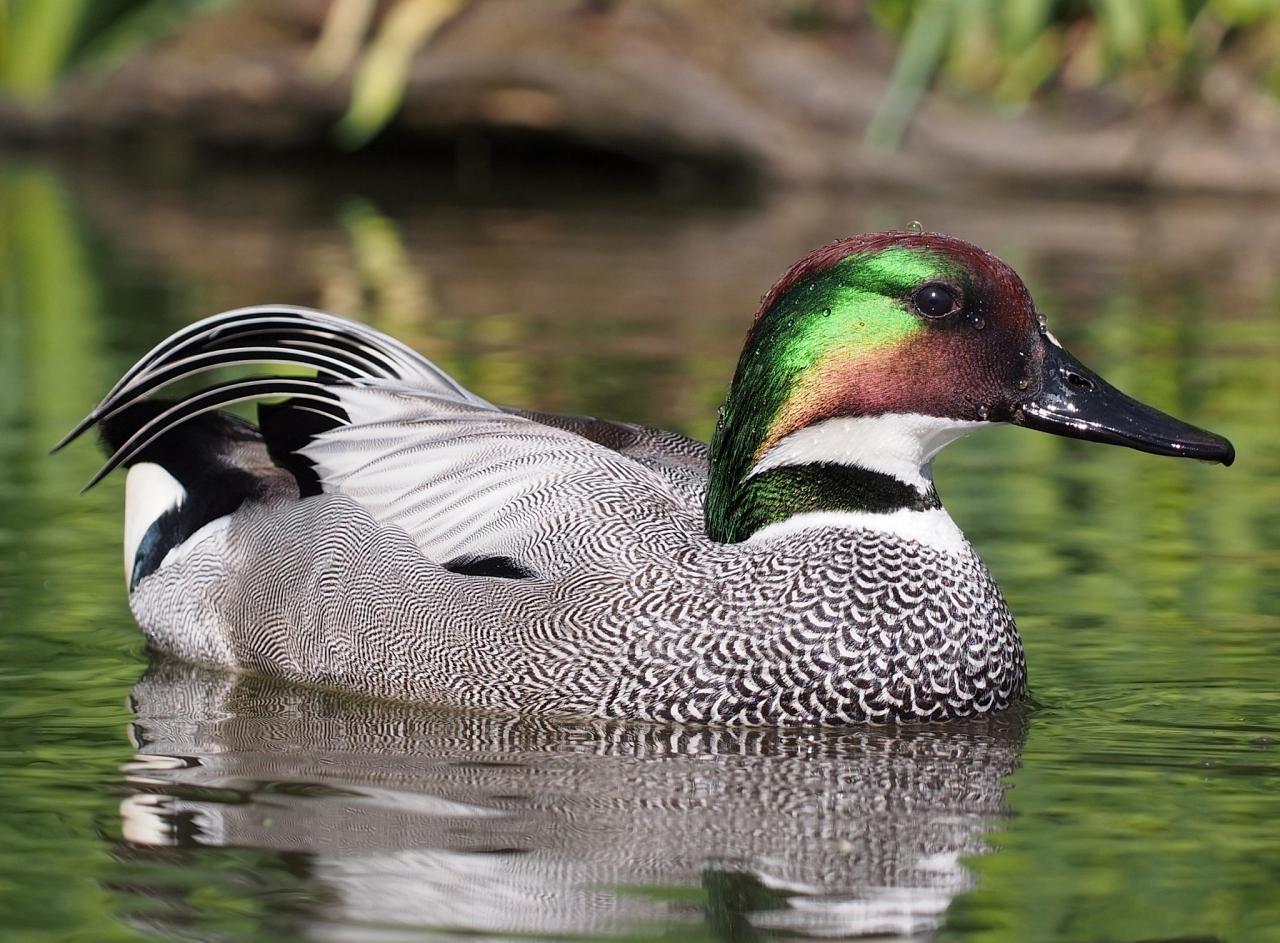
<point>149,491</point>
<point>899,444</point>
<point>933,528</point>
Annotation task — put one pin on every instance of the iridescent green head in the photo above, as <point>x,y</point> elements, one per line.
<point>869,355</point>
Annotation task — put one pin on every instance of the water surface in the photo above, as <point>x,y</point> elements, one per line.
<point>1137,800</point>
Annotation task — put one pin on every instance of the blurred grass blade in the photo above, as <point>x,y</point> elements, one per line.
<point>918,61</point>
<point>1125,26</point>
<point>42,40</point>
<point>383,74</point>
<point>345,27</point>
<point>40,35</point>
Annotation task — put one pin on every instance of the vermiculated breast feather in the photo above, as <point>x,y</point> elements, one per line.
<point>821,628</point>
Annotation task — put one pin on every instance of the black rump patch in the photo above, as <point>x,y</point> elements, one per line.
<point>286,428</point>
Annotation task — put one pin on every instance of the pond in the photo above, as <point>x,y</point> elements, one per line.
<point>1136,798</point>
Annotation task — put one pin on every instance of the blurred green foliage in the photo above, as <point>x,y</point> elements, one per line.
<point>42,40</point>
<point>1219,53</point>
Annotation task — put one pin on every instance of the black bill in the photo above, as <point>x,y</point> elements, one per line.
<point>1074,401</point>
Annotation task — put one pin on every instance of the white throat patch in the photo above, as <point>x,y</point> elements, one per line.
<point>899,444</point>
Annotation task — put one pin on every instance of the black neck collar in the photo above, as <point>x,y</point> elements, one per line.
<point>779,493</point>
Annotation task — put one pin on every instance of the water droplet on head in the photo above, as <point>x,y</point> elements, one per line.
<point>1023,383</point>
<point>979,323</point>
<point>811,287</point>
<point>826,312</point>
<point>1045,332</point>
<point>983,413</point>
<point>915,227</point>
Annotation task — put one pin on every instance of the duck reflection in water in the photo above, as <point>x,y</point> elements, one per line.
<point>408,817</point>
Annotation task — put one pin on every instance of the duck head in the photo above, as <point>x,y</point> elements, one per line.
<point>871,354</point>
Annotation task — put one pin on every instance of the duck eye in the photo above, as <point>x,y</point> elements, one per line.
<point>934,301</point>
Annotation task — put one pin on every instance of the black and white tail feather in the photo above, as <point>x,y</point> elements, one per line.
<point>270,334</point>
<point>191,463</point>
<point>379,422</point>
